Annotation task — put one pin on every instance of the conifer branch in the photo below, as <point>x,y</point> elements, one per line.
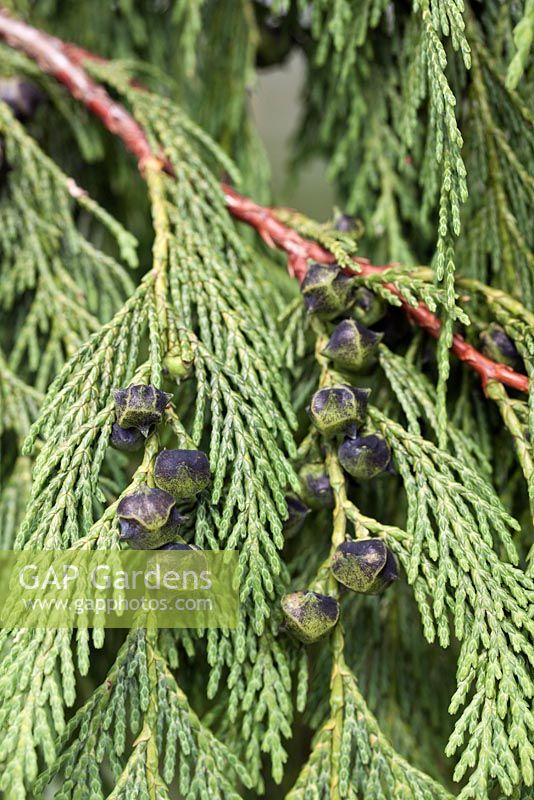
<point>213,323</point>
<point>351,756</point>
<point>64,63</point>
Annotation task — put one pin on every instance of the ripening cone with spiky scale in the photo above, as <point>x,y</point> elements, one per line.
<point>351,345</point>
<point>497,345</point>
<point>140,406</point>
<point>126,439</point>
<point>308,616</point>
<point>148,518</point>
<point>366,566</point>
<point>368,308</point>
<point>316,487</point>
<point>339,409</point>
<point>182,473</point>
<point>326,291</point>
<point>364,457</point>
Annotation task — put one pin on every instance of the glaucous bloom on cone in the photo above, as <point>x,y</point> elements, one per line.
<point>297,511</point>
<point>316,487</point>
<point>346,223</point>
<point>497,345</point>
<point>339,409</point>
<point>179,546</point>
<point>183,473</point>
<point>126,439</point>
<point>326,291</point>
<point>308,616</point>
<point>364,565</point>
<point>364,457</point>
<point>368,308</point>
<point>148,518</point>
<point>351,346</point>
<point>140,406</point>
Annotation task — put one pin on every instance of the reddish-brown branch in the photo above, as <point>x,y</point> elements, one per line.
<point>300,251</point>
<point>64,62</point>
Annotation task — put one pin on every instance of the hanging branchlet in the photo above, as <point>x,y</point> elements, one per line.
<point>200,307</point>
<point>171,418</point>
<point>350,754</point>
<point>140,698</point>
<point>74,286</point>
<point>455,527</point>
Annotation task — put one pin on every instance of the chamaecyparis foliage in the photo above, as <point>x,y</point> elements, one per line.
<point>223,332</point>
<point>141,698</point>
<point>410,105</point>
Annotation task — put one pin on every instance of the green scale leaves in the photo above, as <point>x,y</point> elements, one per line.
<point>202,308</point>
<point>382,104</point>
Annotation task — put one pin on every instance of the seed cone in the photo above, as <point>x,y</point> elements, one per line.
<point>339,409</point>
<point>126,439</point>
<point>140,406</point>
<point>351,345</point>
<point>346,223</point>
<point>309,616</point>
<point>497,345</point>
<point>148,518</point>
<point>326,291</point>
<point>179,546</point>
<point>366,566</point>
<point>365,457</point>
<point>22,96</point>
<point>183,473</point>
<point>176,364</point>
<point>297,511</point>
<point>316,488</point>
<point>368,307</point>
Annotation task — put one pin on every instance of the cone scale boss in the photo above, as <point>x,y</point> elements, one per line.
<point>182,473</point>
<point>339,409</point>
<point>140,406</point>
<point>148,518</point>
<point>309,616</point>
<point>351,345</point>
<point>366,566</point>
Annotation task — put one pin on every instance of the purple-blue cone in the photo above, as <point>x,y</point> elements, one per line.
<point>326,291</point>
<point>179,546</point>
<point>308,616</point>
<point>339,409</point>
<point>497,345</point>
<point>126,439</point>
<point>183,473</point>
<point>366,566</point>
<point>140,406</point>
<point>316,487</point>
<point>148,518</point>
<point>364,457</point>
<point>351,345</point>
<point>297,511</point>
<point>346,223</point>
<point>368,308</point>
